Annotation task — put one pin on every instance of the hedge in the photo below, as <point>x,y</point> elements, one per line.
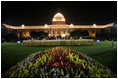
<point>56,42</point>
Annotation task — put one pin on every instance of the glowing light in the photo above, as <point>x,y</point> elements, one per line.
<point>54,19</point>
<point>18,42</point>
<point>71,24</point>
<point>58,15</point>
<point>94,25</point>
<point>63,35</point>
<point>63,19</point>
<point>23,25</point>
<point>45,24</point>
<point>98,41</point>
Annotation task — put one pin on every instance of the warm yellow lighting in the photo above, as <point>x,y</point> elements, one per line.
<point>71,24</point>
<point>63,19</point>
<point>45,25</point>
<point>54,19</point>
<point>94,25</point>
<point>58,15</point>
<point>27,34</point>
<point>63,35</point>
<point>23,25</point>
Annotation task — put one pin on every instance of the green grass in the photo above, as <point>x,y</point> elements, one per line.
<point>101,52</point>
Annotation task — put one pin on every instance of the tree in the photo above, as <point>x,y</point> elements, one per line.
<point>33,34</point>
<point>12,36</point>
<point>3,33</point>
<point>76,33</point>
<point>85,33</point>
<point>113,32</point>
<point>103,34</point>
<point>5,36</point>
<point>38,35</point>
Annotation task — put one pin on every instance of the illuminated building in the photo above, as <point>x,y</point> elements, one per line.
<point>58,27</point>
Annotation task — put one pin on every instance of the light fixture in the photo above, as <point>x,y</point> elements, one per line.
<point>23,25</point>
<point>18,42</point>
<point>63,35</point>
<point>45,24</point>
<point>98,41</point>
<point>71,24</point>
<point>94,25</point>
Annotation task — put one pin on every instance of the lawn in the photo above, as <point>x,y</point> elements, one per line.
<point>101,52</point>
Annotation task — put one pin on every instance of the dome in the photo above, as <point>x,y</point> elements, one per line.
<point>58,17</point>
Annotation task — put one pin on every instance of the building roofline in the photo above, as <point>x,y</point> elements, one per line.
<point>58,26</point>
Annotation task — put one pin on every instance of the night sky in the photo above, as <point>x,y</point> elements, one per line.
<point>75,12</point>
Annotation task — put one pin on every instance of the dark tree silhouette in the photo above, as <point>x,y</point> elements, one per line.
<point>113,32</point>
<point>38,35</point>
<point>9,37</point>
<point>85,33</point>
<point>76,33</point>
<point>3,33</point>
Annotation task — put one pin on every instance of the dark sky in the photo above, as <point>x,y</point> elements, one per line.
<point>76,12</point>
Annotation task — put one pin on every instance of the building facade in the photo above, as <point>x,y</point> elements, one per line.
<point>58,27</point>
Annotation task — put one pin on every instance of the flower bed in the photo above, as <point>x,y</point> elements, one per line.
<point>59,63</point>
<point>56,42</point>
